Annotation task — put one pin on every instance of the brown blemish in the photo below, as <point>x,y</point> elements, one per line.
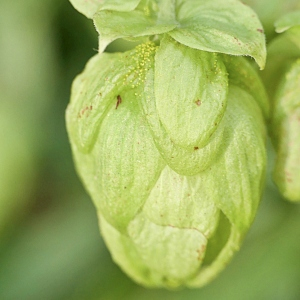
<point>84,110</point>
<point>200,252</point>
<point>119,101</point>
<point>288,176</point>
<point>260,30</point>
<point>196,148</point>
<point>198,102</point>
<point>237,40</point>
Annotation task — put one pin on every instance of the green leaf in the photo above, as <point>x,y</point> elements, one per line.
<point>119,5</point>
<point>191,95</point>
<point>288,21</point>
<point>87,8</point>
<point>286,128</point>
<point>144,21</point>
<point>229,27</point>
<point>90,7</point>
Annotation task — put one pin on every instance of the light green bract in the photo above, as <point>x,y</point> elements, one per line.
<point>286,129</point>
<point>285,125</point>
<point>169,141</point>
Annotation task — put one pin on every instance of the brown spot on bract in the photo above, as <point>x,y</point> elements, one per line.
<point>200,252</point>
<point>119,101</point>
<point>196,148</point>
<point>198,102</point>
<point>260,30</point>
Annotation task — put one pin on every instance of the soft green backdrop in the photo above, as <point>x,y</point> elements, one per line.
<point>50,247</point>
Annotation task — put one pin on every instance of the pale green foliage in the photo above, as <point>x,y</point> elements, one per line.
<point>146,20</point>
<point>90,7</point>
<point>212,26</point>
<point>287,21</point>
<point>282,78</point>
<point>269,11</point>
<point>286,128</point>
<point>216,26</point>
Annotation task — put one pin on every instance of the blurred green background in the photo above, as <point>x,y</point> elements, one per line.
<point>50,246</point>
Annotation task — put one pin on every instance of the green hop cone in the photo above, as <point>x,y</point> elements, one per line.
<point>169,140</point>
<point>285,125</point>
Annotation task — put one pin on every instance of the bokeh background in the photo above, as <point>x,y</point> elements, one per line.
<point>50,246</point>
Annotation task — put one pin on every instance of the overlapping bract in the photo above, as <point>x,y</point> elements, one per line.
<point>282,79</point>
<point>169,141</point>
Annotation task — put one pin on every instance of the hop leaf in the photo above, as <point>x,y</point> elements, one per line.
<point>90,7</point>
<point>228,27</point>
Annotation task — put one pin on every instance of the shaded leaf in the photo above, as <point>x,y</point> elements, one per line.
<point>288,21</point>
<point>146,20</point>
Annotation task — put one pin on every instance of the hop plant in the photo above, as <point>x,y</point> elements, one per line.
<point>169,137</point>
<point>284,70</point>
